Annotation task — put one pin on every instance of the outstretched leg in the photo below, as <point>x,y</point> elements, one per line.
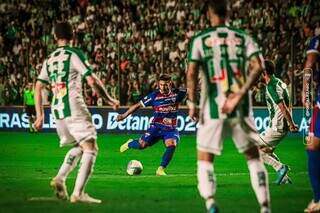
<point>259,178</point>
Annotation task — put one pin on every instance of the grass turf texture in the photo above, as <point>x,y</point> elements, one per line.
<point>29,161</point>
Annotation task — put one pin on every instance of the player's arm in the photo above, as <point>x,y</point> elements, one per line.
<point>131,110</point>
<point>284,109</point>
<point>307,77</point>
<point>38,104</point>
<point>255,70</point>
<point>97,85</point>
<point>192,83</point>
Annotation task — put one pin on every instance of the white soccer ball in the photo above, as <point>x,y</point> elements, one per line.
<point>134,167</point>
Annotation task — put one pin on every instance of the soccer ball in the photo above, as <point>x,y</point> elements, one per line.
<point>134,167</point>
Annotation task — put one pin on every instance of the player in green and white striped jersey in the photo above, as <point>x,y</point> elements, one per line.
<point>224,54</point>
<point>64,70</point>
<point>278,102</point>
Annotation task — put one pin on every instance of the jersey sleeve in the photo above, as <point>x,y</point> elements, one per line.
<point>252,48</point>
<point>81,64</point>
<point>182,94</point>
<point>314,46</point>
<point>275,93</point>
<point>194,54</point>
<point>43,76</point>
<point>147,100</point>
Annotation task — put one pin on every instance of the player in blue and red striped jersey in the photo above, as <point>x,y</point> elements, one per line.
<point>165,102</point>
<point>313,140</point>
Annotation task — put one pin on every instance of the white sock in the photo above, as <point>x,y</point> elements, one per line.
<point>206,182</point>
<point>86,167</point>
<point>70,161</point>
<point>259,181</point>
<point>272,160</point>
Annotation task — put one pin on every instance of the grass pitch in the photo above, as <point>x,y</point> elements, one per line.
<point>29,161</point>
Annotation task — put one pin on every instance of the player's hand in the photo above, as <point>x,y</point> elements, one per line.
<point>194,114</point>
<point>293,128</point>
<point>115,105</point>
<point>231,102</point>
<point>38,123</point>
<point>120,117</point>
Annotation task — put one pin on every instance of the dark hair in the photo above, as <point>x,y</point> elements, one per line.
<point>165,77</point>
<point>219,7</point>
<point>269,67</point>
<point>63,30</point>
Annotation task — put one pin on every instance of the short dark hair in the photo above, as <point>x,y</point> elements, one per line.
<point>164,77</point>
<point>219,7</point>
<point>269,67</point>
<point>63,30</point>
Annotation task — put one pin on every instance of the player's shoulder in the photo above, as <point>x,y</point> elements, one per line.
<point>75,50</point>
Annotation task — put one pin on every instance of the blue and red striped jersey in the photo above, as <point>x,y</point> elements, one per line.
<point>165,106</point>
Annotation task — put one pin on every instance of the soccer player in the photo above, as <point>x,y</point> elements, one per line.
<point>165,102</point>
<point>28,104</point>
<point>278,102</point>
<point>224,53</point>
<point>313,140</point>
<point>64,70</point>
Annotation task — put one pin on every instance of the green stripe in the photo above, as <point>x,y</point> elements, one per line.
<point>257,53</point>
<point>43,81</point>
<point>65,99</point>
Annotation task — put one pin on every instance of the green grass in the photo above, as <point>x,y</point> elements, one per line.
<point>29,161</point>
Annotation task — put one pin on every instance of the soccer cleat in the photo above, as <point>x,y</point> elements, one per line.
<point>213,209</point>
<point>124,147</point>
<point>282,172</point>
<point>60,188</point>
<point>286,180</point>
<point>265,209</point>
<point>83,198</point>
<point>313,207</point>
<point>160,171</point>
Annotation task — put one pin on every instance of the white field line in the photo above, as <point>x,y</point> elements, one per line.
<point>106,176</point>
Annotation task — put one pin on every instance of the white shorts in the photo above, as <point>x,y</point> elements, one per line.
<point>75,130</point>
<point>271,138</point>
<point>211,134</point>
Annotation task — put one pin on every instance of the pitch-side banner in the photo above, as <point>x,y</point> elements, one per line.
<point>14,119</point>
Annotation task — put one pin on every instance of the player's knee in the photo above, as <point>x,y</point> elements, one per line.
<point>171,143</point>
<point>205,156</point>
<point>252,153</point>
<point>90,145</point>
<point>143,144</point>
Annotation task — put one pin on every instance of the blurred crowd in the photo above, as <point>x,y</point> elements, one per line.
<point>130,43</point>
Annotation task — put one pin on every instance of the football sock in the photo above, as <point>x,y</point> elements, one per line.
<point>314,172</point>
<point>259,181</point>
<point>86,167</point>
<point>167,156</point>
<point>134,144</point>
<point>271,160</point>
<point>206,182</point>
<point>70,161</point>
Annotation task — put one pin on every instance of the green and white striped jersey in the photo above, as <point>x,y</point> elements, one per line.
<point>223,53</point>
<point>64,69</point>
<point>276,92</point>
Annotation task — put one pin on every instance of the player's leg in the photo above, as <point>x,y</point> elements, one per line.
<point>82,129</point>
<point>268,140</point>
<point>313,151</point>
<point>209,143</point>
<point>171,139</point>
<point>207,180</point>
<point>29,114</point>
<point>70,161</point>
<point>243,135</point>
<point>148,139</point>
<point>90,151</point>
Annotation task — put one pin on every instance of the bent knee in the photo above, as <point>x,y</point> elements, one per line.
<point>171,143</point>
<point>143,144</point>
<point>90,145</point>
<point>312,143</point>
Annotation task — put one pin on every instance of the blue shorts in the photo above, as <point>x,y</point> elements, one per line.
<point>315,123</point>
<point>156,133</point>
